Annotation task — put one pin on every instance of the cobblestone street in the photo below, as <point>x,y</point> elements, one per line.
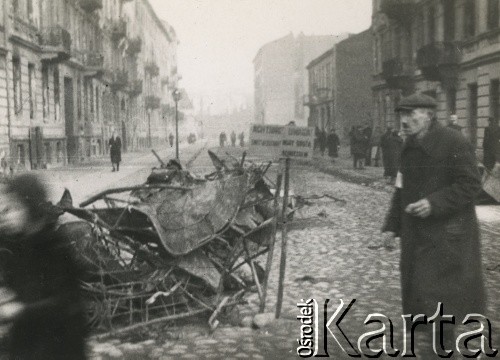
<point>328,257</point>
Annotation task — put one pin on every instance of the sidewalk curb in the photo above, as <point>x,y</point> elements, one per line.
<point>349,175</point>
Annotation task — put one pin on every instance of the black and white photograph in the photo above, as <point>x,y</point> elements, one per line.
<point>249,179</point>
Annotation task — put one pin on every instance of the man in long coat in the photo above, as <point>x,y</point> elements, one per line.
<point>433,213</point>
<point>115,151</point>
<point>359,142</point>
<point>333,144</point>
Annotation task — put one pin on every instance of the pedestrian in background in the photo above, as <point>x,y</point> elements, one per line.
<point>171,139</point>
<point>386,155</point>
<point>242,139</point>
<point>367,133</point>
<point>115,150</point>
<point>352,140</point>
<point>222,139</point>
<point>333,144</point>
<point>233,138</point>
<point>358,147</point>
<point>322,142</point>
<point>433,212</point>
<point>491,144</point>
<point>40,294</point>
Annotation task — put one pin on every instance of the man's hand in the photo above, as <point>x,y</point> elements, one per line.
<point>421,208</point>
<point>9,307</point>
<point>10,310</point>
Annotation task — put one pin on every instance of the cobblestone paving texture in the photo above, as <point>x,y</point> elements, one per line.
<point>327,258</point>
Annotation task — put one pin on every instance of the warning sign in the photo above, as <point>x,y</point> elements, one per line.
<point>298,142</point>
<point>274,141</point>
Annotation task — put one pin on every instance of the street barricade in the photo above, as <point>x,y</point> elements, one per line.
<point>176,246</point>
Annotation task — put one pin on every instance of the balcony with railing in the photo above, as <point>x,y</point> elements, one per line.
<point>90,5</point>
<point>152,102</point>
<point>134,46</point>
<point>400,10</point>
<point>93,61</point>
<point>23,31</point>
<point>398,73</point>
<point>135,88</point>
<point>439,61</point>
<point>318,96</point>
<point>152,69</point>
<point>118,30</point>
<point>119,80</point>
<point>56,44</point>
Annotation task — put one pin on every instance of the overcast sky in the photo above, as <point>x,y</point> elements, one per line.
<point>220,38</point>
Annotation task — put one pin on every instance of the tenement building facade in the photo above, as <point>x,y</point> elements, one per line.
<point>72,72</point>
<point>280,76</point>
<point>338,97</point>
<point>449,49</point>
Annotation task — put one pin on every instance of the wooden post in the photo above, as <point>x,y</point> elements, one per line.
<point>283,239</point>
<point>270,252</point>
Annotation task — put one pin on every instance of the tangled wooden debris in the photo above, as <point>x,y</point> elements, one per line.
<point>176,246</point>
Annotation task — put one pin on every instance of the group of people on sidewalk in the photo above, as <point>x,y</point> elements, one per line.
<point>327,140</point>
<point>223,139</point>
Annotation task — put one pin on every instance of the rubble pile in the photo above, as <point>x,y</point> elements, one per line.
<point>175,246</point>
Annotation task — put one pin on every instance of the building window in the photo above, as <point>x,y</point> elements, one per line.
<point>451,101</point>
<point>48,153</point>
<point>449,20</point>
<point>91,97</point>
<point>96,103</point>
<point>56,93</point>
<point>495,99</point>
<point>469,18</point>
<point>31,79</point>
<point>492,14</point>
<point>21,155</point>
<point>86,101</point>
<point>45,91</point>
<point>472,90</point>
<point>431,25</point>
<point>79,98</point>
<point>29,8</point>
<point>16,72</point>
<point>59,154</point>
<point>420,30</point>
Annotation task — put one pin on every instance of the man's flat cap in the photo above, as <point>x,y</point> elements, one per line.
<point>415,101</point>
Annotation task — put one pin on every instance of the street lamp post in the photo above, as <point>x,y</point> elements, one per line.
<point>176,94</point>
